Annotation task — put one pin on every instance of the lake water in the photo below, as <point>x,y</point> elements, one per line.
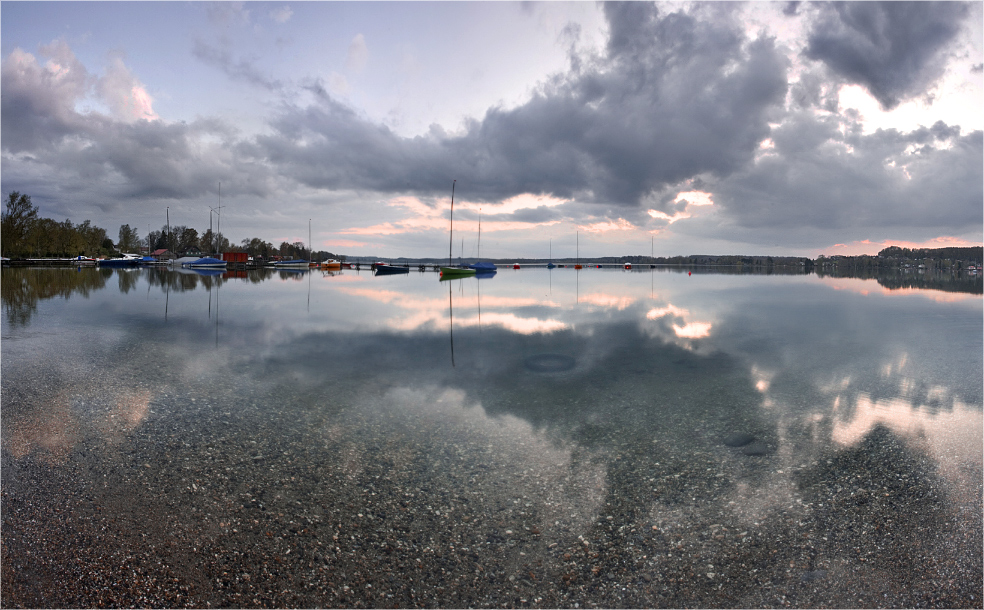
<point>542,438</point>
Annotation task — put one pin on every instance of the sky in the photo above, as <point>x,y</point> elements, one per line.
<point>561,128</point>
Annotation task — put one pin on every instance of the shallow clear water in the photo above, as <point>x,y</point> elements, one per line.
<point>540,438</point>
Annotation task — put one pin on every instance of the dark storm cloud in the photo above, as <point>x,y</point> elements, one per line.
<point>106,157</point>
<point>674,101</point>
<point>37,110</point>
<point>826,175</point>
<point>671,96</point>
<point>894,49</point>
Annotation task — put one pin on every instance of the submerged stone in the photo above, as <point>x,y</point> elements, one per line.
<point>756,448</point>
<point>738,439</point>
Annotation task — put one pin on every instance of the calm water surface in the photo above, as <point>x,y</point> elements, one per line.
<point>537,439</point>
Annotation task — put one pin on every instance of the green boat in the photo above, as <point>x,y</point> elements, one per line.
<point>451,272</point>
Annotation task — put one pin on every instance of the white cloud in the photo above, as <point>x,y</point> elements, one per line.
<point>358,54</point>
<point>281,14</point>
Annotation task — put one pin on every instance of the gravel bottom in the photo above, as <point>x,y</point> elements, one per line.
<point>419,499</point>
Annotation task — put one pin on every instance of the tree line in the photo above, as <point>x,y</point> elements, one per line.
<point>24,234</point>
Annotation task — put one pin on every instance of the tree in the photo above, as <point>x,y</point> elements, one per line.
<point>257,247</point>
<point>187,239</point>
<point>129,240</point>
<point>93,237</point>
<point>207,241</point>
<point>15,223</point>
<point>154,240</point>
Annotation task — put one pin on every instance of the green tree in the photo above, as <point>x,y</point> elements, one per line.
<point>16,221</point>
<point>129,239</point>
<point>93,238</point>
<point>207,241</point>
<point>187,239</point>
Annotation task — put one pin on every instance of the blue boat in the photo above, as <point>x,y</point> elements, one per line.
<point>483,266</point>
<point>206,262</point>
<point>387,269</point>
<point>291,264</point>
<point>117,263</point>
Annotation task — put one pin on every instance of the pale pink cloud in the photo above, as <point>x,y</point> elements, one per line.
<point>870,287</point>
<point>694,198</point>
<point>608,225</point>
<point>524,201</point>
<point>693,330</point>
<point>670,219</point>
<point>424,217</point>
<point>345,243</point>
<point>865,246</point>
<point>125,96</point>
<point>512,322</point>
<point>608,301</point>
<point>670,310</point>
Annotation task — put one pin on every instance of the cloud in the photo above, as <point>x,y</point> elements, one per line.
<point>244,70</point>
<point>677,109</point>
<point>358,54</point>
<point>38,102</point>
<point>124,155</point>
<point>895,49</point>
<point>281,14</point>
<point>671,97</point>
<point>828,179</point>
<point>228,13</point>
<point>126,97</point>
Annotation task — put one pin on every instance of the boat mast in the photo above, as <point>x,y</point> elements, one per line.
<point>451,238</point>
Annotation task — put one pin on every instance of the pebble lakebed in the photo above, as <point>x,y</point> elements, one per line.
<point>221,504</point>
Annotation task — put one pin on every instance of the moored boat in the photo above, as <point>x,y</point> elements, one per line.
<point>331,264</point>
<point>291,264</point>
<point>117,262</point>
<point>206,262</point>
<point>387,269</point>
<point>451,271</point>
<point>184,260</point>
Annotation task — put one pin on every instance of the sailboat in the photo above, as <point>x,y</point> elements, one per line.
<point>483,268</point>
<point>449,271</point>
<point>550,264</point>
<point>577,261</point>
